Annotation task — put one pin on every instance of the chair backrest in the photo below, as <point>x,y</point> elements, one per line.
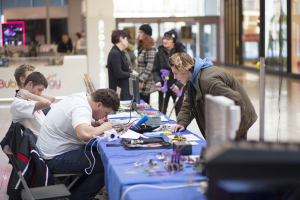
<point>90,88</point>
<point>13,160</point>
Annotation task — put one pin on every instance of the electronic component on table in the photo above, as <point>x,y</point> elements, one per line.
<point>158,133</point>
<point>138,163</point>
<point>174,164</point>
<point>163,128</point>
<point>153,164</point>
<point>153,120</point>
<point>110,135</point>
<point>150,112</point>
<point>140,122</point>
<point>119,122</point>
<point>177,138</point>
<point>183,148</point>
<point>144,106</point>
<point>113,145</point>
<point>161,156</point>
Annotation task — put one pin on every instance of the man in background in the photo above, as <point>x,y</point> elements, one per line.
<point>65,45</point>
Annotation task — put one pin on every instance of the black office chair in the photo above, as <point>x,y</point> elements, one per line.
<point>39,193</point>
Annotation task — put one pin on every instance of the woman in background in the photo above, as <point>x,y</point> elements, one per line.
<point>118,66</point>
<point>146,54</point>
<point>129,51</point>
<point>161,61</point>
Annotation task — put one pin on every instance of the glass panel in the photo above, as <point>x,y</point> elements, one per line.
<point>191,44</point>
<point>295,37</point>
<point>165,8</point>
<point>209,42</point>
<point>250,35</point>
<point>276,34</point>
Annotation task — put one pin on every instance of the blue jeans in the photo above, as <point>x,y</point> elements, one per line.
<point>88,186</point>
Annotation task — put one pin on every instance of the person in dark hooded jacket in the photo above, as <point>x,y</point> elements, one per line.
<point>161,61</point>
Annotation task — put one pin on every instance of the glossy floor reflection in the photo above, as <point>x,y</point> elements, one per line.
<point>286,128</point>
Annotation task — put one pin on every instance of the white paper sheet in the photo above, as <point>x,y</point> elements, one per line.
<point>189,137</point>
<point>132,135</point>
<point>164,119</point>
<point>125,102</point>
<point>125,114</point>
<point>193,143</point>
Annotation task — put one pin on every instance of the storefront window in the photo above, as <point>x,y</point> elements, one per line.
<point>250,35</point>
<point>165,8</point>
<point>209,41</point>
<point>276,34</point>
<point>191,44</point>
<point>295,10</point>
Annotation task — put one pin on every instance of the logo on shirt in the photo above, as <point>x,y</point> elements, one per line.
<point>7,84</point>
<point>53,83</point>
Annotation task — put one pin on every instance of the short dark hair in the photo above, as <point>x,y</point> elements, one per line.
<point>108,97</point>
<point>78,35</point>
<point>115,36</point>
<point>127,31</point>
<point>64,34</point>
<point>37,78</point>
<point>20,72</point>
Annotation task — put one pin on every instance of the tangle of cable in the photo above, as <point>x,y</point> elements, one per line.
<point>91,165</point>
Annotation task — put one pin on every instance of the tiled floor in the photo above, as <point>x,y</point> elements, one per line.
<point>285,129</point>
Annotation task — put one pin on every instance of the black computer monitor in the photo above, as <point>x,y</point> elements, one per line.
<point>134,87</point>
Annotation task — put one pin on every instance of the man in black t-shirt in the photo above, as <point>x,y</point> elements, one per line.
<point>65,45</point>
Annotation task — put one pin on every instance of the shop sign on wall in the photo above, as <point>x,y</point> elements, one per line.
<point>53,82</point>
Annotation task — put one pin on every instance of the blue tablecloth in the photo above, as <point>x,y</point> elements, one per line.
<point>120,173</point>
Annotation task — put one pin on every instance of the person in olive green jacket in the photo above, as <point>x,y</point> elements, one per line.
<point>201,78</point>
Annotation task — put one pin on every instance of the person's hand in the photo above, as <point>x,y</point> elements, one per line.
<point>158,84</point>
<point>108,120</point>
<point>68,51</point>
<point>134,73</point>
<point>107,125</point>
<point>23,94</point>
<point>178,128</point>
<point>141,84</point>
<point>175,89</point>
<point>102,121</point>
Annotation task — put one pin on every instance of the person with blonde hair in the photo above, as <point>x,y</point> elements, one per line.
<point>202,77</point>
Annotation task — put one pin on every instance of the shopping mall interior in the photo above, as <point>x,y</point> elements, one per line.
<point>240,143</point>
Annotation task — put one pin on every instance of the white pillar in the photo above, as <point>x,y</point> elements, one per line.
<point>48,22</point>
<point>100,24</point>
<point>212,7</point>
<point>74,17</point>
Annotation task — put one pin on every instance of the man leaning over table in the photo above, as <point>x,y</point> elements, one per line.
<point>71,122</point>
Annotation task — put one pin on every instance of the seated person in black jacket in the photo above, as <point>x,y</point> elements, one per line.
<point>118,66</point>
<point>65,45</point>
<point>21,74</point>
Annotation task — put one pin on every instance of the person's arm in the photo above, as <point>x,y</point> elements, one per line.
<point>99,122</point>
<point>150,54</point>
<point>41,102</point>
<point>179,84</point>
<point>117,67</point>
<point>60,47</point>
<point>155,70</point>
<point>185,116</point>
<point>85,131</point>
<point>70,45</point>
<point>48,96</point>
<point>219,88</point>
